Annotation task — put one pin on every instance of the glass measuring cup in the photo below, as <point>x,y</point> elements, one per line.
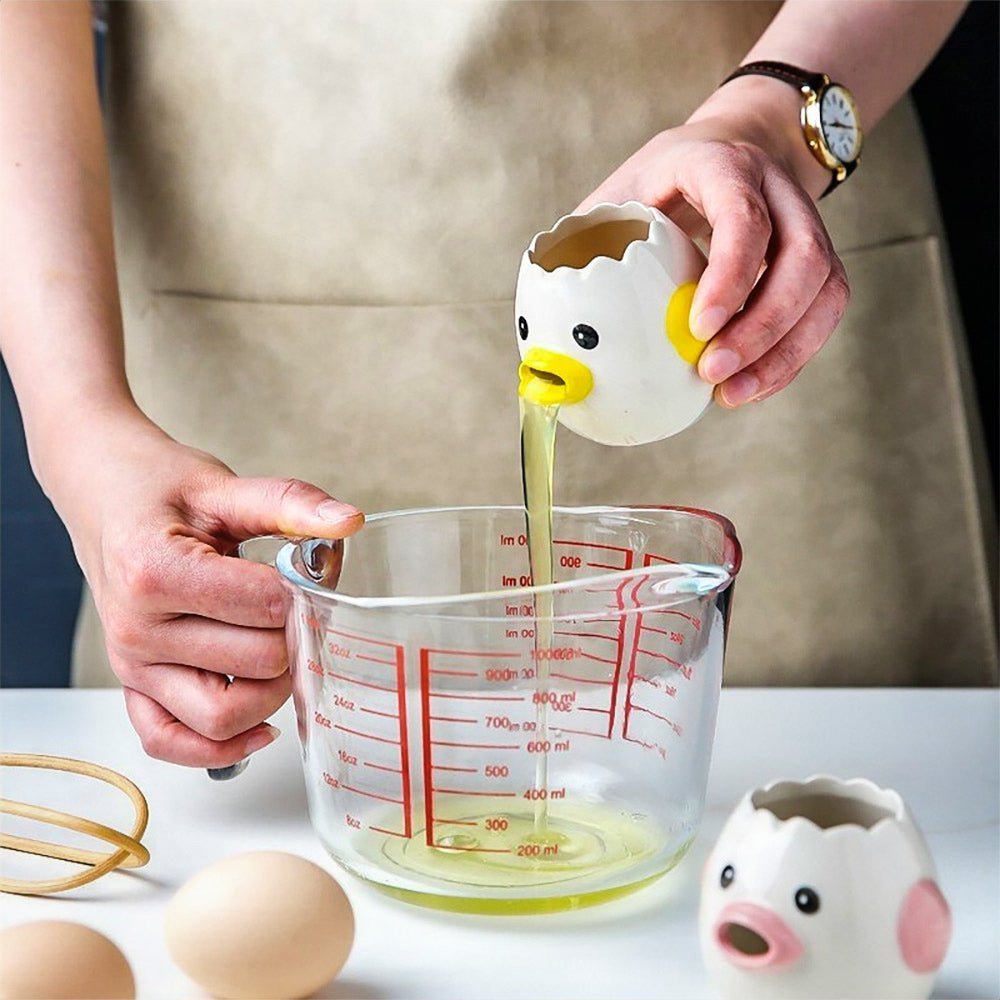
<point>450,761</point>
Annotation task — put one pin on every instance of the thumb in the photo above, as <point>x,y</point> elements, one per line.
<point>250,507</point>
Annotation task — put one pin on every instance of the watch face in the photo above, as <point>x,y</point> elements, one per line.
<point>839,120</point>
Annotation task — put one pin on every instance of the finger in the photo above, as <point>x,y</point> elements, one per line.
<point>779,366</point>
<point>196,580</point>
<point>255,653</point>
<point>206,702</point>
<point>165,738</point>
<point>246,508</point>
<point>726,189</point>
<point>800,259</point>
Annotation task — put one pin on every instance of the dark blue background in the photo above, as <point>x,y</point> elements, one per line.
<point>39,578</point>
<point>956,98</point>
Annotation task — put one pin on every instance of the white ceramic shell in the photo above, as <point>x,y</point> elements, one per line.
<point>643,389</point>
<point>853,945</point>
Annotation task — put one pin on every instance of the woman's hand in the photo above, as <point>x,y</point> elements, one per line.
<point>153,530</point>
<point>774,289</point>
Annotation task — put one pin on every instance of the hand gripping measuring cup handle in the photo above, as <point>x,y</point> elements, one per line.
<point>323,559</point>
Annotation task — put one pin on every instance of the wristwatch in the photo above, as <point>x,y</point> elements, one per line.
<point>830,120</point>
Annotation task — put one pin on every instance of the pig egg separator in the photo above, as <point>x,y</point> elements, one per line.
<point>322,559</point>
<point>130,853</point>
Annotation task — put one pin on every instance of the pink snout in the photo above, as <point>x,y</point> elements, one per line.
<point>754,937</point>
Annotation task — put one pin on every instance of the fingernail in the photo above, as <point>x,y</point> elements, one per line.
<point>740,389</point>
<point>262,738</point>
<point>334,510</point>
<point>707,323</point>
<point>719,364</point>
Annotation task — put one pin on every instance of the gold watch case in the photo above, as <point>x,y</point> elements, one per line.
<point>812,126</point>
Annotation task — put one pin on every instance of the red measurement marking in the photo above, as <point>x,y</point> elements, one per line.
<point>581,732</point>
<point>598,545</point>
<point>481,850</point>
<point>696,622</point>
<point>598,659</point>
<point>455,673</point>
<point>458,822</point>
<point>650,558</point>
<point>476,746</point>
<point>374,659</point>
<point>404,740</point>
<point>462,791</point>
<point>368,736</point>
<point>365,684</point>
<point>603,711</point>
<point>385,715</point>
<point>474,697</point>
<point>400,715</point>
<point>426,719</point>
<point>658,631</point>
<point>464,770</point>
<point>662,718</point>
<point>363,638</point>
<point>580,680</point>
<point>604,566</point>
<point>620,653</point>
<point>371,795</point>
<point>466,652</point>
<point>629,684</point>
<point>588,635</point>
<point>661,656</point>
<point>425,725</point>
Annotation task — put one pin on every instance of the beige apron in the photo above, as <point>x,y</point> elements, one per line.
<point>320,207</point>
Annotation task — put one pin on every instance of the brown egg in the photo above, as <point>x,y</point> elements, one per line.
<point>263,924</point>
<point>60,960</point>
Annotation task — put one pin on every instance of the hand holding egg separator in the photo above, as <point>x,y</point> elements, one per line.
<point>602,314</point>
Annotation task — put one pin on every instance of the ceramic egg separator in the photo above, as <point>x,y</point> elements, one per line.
<point>602,309</point>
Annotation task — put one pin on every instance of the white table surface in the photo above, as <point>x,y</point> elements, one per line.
<point>939,748</point>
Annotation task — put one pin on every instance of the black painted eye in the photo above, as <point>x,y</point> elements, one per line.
<point>522,327</point>
<point>727,876</point>
<point>807,900</point>
<point>585,336</point>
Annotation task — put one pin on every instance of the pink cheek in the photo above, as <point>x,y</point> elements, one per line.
<point>924,927</point>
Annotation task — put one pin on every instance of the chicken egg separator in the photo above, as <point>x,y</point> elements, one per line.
<point>602,315</point>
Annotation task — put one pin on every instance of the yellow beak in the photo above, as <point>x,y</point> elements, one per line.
<point>549,378</point>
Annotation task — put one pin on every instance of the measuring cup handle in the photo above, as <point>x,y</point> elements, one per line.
<point>263,549</point>
<point>226,773</point>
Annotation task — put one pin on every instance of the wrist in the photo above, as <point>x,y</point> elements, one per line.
<point>72,443</point>
<point>765,112</point>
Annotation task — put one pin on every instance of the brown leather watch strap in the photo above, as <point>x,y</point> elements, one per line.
<point>780,71</point>
<point>798,78</point>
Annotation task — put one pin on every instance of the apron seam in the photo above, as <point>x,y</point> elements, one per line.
<point>209,296</point>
